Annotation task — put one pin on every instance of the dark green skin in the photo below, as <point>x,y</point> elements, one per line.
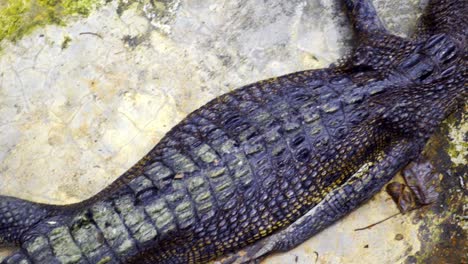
<point>270,164</point>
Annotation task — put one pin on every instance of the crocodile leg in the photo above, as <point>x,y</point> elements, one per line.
<point>369,179</point>
<point>402,196</point>
<point>364,17</point>
<point>420,188</point>
<point>422,180</point>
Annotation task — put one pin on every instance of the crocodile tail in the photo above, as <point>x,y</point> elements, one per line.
<point>17,216</point>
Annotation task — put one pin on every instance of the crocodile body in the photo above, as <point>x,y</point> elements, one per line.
<point>267,165</point>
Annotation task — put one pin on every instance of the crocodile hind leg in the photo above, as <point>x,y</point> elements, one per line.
<point>368,180</point>
<point>364,17</point>
<point>422,182</point>
<point>373,40</point>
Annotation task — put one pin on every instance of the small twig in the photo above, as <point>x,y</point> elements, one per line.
<point>91,33</point>
<point>316,256</point>
<point>379,222</point>
<point>383,220</point>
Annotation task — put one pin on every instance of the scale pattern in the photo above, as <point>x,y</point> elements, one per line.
<point>269,164</point>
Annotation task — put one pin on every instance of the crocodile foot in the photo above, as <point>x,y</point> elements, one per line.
<point>250,255</point>
<point>420,189</point>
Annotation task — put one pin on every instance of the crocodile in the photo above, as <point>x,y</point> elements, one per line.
<point>264,167</point>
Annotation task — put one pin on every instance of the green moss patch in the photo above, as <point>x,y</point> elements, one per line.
<point>458,146</point>
<point>66,42</point>
<point>19,17</point>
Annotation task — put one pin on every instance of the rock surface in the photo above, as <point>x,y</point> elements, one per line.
<point>81,103</point>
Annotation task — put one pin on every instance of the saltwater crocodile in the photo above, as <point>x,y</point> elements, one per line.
<point>268,165</point>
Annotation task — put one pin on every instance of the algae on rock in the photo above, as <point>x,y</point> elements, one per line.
<point>19,17</point>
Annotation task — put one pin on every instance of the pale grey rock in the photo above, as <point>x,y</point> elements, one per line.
<point>75,118</point>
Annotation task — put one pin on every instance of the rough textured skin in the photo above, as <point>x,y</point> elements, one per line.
<point>270,164</point>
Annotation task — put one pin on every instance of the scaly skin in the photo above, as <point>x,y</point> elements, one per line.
<point>270,164</point>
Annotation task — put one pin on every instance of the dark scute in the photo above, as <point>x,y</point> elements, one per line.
<point>449,72</point>
<point>442,48</point>
<point>411,62</point>
<point>232,120</point>
<point>434,41</point>
<point>447,54</point>
<point>145,195</point>
<point>303,155</point>
<point>300,97</point>
<point>298,140</point>
<point>417,68</point>
<point>425,73</point>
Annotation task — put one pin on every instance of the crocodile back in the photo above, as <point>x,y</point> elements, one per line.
<point>445,16</point>
<point>251,162</point>
<point>255,160</point>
